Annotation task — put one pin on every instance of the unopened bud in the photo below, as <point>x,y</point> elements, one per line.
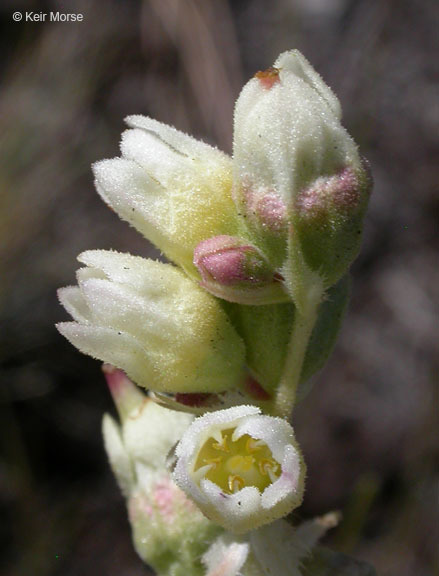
<point>236,271</point>
<point>292,155</point>
<point>126,396</point>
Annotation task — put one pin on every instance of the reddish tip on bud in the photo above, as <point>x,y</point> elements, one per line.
<point>126,396</point>
<point>268,77</point>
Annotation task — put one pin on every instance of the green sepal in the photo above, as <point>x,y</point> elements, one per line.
<point>324,335</point>
<point>330,235</point>
<point>266,331</point>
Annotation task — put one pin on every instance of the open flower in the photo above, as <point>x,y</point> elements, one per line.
<point>149,319</point>
<point>243,469</point>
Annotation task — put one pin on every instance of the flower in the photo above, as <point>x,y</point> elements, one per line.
<point>172,188</point>
<point>298,178</point>
<point>243,469</point>
<point>169,532</point>
<point>149,319</point>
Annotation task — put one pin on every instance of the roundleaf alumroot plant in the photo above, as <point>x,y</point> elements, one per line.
<point>226,336</point>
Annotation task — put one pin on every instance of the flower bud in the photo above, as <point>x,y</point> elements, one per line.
<point>236,271</point>
<point>298,177</point>
<point>169,532</point>
<point>243,469</point>
<point>149,319</point>
<point>172,188</point>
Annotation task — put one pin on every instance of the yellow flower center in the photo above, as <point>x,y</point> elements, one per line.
<point>232,465</point>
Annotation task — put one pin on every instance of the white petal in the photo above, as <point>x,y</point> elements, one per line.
<point>247,508</point>
<point>295,63</point>
<point>134,195</point>
<point>290,133</point>
<point>107,345</point>
<point>145,276</point>
<point>148,150</point>
<point>119,307</point>
<point>275,432</point>
<point>239,512</point>
<point>150,434</point>
<point>84,274</point>
<point>205,426</point>
<point>225,557</point>
<point>182,142</point>
<point>73,301</point>
<point>287,491</point>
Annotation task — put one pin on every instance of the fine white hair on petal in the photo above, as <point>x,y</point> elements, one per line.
<point>175,138</point>
<point>125,268</point>
<point>204,426</point>
<point>119,307</point>
<point>133,194</point>
<point>247,508</point>
<point>275,432</point>
<point>151,434</point>
<point>151,320</point>
<point>226,557</point>
<point>283,152</point>
<point>290,484</point>
<point>73,301</point>
<point>158,158</point>
<point>111,346</point>
<point>238,512</point>
<point>294,62</point>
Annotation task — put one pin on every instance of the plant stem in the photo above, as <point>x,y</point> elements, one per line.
<point>303,325</point>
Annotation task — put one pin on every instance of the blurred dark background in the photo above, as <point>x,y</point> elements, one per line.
<point>369,428</point>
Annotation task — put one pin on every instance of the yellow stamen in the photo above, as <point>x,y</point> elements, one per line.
<point>234,464</point>
<point>235,483</point>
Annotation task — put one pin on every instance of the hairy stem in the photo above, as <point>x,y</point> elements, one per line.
<point>304,323</point>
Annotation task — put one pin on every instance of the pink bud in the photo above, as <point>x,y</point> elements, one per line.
<point>236,271</point>
<point>230,261</point>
